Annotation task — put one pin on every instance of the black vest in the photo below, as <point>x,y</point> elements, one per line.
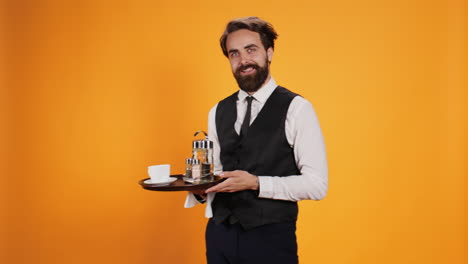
<point>264,150</point>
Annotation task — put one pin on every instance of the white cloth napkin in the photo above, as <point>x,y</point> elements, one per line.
<point>191,201</point>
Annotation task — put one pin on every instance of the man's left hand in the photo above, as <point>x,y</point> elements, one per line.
<point>236,181</point>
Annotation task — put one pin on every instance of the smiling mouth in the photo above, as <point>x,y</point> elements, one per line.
<point>247,69</point>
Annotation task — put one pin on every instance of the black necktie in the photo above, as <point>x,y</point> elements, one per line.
<point>246,123</point>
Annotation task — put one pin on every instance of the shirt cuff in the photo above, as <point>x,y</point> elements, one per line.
<point>265,184</point>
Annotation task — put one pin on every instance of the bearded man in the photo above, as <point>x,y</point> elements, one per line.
<point>269,146</point>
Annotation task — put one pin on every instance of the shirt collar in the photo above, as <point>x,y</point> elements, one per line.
<point>262,94</point>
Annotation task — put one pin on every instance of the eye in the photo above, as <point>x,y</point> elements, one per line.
<point>250,50</point>
<point>234,54</point>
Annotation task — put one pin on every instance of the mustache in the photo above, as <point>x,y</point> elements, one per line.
<point>244,67</point>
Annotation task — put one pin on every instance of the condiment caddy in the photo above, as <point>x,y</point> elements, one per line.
<point>199,167</point>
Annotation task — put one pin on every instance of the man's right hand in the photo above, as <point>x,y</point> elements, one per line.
<point>200,193</point>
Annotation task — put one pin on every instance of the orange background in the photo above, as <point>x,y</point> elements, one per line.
<point>98,90</point>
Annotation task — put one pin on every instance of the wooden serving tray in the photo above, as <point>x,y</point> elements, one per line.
<point>180,184</point>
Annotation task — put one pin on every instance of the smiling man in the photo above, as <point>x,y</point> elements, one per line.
<point>269,146</point>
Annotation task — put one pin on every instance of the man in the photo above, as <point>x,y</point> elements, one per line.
<point>269,146</point>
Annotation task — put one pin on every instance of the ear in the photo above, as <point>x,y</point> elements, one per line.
<point>270,54</point>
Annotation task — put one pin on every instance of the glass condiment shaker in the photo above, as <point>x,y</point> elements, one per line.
<point>196,169</point>
<point>203,151</point>
<point>188,168</point>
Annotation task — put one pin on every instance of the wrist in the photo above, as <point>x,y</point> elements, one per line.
<point>200,198</point>
<point>256,185</point>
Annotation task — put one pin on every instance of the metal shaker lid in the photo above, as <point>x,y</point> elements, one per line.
<point>188,161</point>
<point>195,161</point>
<point>204,143</point>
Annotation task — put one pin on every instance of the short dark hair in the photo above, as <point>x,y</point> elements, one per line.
<point>255,24</point>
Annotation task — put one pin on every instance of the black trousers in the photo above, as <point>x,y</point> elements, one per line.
<point>269,244</point>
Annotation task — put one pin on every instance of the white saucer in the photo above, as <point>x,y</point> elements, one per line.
<point>171,179</point>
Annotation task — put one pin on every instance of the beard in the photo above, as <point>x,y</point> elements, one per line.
<point>252,82</point>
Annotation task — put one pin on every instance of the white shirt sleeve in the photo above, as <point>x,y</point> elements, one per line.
<point>304,135</point>
<point>213,136</point>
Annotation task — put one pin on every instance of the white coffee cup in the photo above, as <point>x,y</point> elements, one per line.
<point>159,173</point>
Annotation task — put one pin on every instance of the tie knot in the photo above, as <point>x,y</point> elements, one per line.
<point>249,99</point>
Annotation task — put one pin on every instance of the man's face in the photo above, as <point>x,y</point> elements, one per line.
<point>250,62</point>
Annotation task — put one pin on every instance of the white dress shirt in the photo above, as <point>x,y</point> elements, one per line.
<point>304,136</point>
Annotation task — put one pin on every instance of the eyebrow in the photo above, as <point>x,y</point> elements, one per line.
<point>250,46</point>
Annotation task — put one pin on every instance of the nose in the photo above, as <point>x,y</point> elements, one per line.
<point>244,58</point>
